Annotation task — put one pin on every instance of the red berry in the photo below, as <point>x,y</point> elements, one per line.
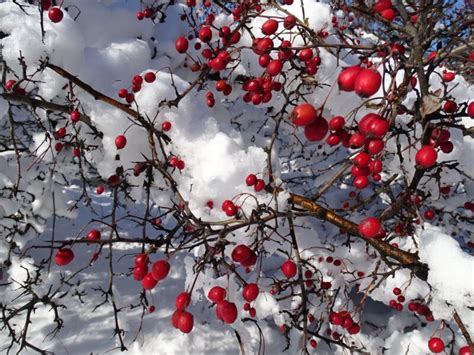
<point>470,110</point>
<point>357,140</point>
<point>120,141</point>
<point>230,209</point>
<point>362,160</point>
<point>436,345</point>
<point>228,311</point>
<point>151,309</point>
<point>130,97</point>
<point>45,4</point>
<point>335,318</point>
<point>378,127</point>
<point>160,270</point>
<point>185,322</point>
<point>354,329</point>
<point>274,67</point>
<point>289,269</point>
<point>289,22</point>
<point>370,227</point>
<point>449,76</point>
<point>361,182</point>
<point>181,44</point>
<point>388,14</point>
<point>429,214</point>
<point>305,54</point>
<point>61,132</point>
<point>139,272</point>
<point>367,83</point>
<point>426,157</point>
<point>317,130</point>
<point>250,292</point>
<point>55,14</point>
<point>347,78</point>
<point>148,282</point>
<point>251,179</point>
<point>303,114</point>
<point>450,106</point>
<point>148,12</point>
<point>100,189</point>
<point>241,253</point>
<point>175,318</point>
<point>397,291</point>
<point>180,165</point>
<point>269,27</point>
<point>259,185</point>
<point>150,77</point>
<point>141,259</point>
<point>465,350</point>
<point>139,15</point>
<point>94,234</point>
<point>216,294</point>
<point>375,146</point>
<point>75,116</point>
<point>183,300</point>
<point>63,256</point>
<point>166,126</point>
<point>313,343</point>
<point>336,123</point>
<point>205,34</point>
<point>9,84</point>
<point>382,5</point>
<point>122,93</point>
<point>76,152</point>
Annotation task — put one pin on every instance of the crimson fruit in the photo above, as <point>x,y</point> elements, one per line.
<point>426,157</point>
<point>160,270</point>
<point>149,282</point>
<point>347,78</point>
<point>241,253</point>
<point>226,311</point>
<point>470,110</point>
<point>75,116</point>
<point>303,114</point>
<point>185,322</point>
<point>55,14</point>
<point>250,292</point>
<point>269,27</point>
<point>181,44</point>
<point>120,141</point>
<point>183,300</point>
<point>274,67</point>
<point>251,180</point>
<point>63,256</point>
<point>205,34</point>
<point>317,130</point>
<point>150,77</point>
<point>370,227</point>
<point>436,345</point>
<point>216,294</point>
<point>94,234</point>
<point>367,83</point>
<point>289,269</point>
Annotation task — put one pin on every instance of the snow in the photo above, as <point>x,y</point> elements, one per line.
<point>103,44</point>
<point>453,285</point>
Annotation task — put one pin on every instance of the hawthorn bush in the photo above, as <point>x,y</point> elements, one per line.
<point>281,176</point>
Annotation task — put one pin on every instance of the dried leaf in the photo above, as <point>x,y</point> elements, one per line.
<point>430,104</point>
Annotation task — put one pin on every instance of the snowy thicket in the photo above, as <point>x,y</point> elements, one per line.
<point>48,192</point>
